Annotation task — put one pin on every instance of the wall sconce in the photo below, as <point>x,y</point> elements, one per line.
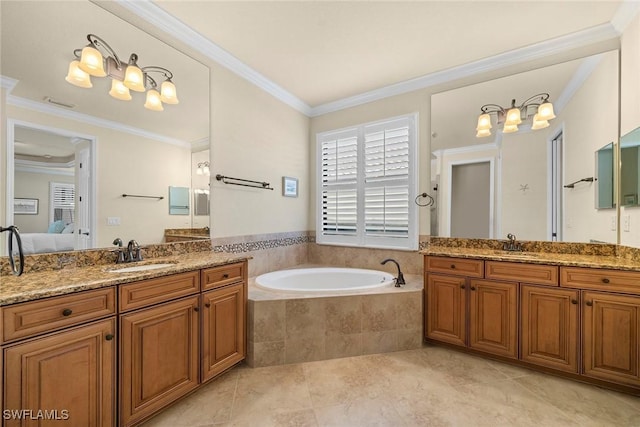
<point>203,169</point>
<point>514,116</point>
<point>125,76</point>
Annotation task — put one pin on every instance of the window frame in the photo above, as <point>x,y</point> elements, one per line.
<point>360,238</point>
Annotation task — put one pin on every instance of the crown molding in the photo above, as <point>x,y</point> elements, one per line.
<point>578,79</point>
<point>95,121</point>
<point>533,52</point>
<point>43,168</point>
<point>158,17</point>
<point>7,83</point>
<point>625,14</point>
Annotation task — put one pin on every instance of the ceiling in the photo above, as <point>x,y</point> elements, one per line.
<point>36,51</point>
<point>325,51</point>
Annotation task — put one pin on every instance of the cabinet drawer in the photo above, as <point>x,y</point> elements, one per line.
<point>224,275</point>
<point>600,279</point>
<point>457,266</point>
<point>520,272</point>
<point>36,317</point>
<point>154,291</point>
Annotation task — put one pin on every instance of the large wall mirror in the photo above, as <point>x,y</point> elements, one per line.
<point>67,143</point>
<point>537,184</point>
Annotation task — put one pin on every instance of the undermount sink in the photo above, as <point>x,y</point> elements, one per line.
<point>135,268</point>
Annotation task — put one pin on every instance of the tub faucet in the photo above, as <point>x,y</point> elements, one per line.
<point>400,279</point>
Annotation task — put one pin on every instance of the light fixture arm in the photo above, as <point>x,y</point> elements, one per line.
<point>155,69</point>
<point>98,42</point>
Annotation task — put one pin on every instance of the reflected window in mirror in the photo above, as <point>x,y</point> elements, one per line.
<point>630,168</point>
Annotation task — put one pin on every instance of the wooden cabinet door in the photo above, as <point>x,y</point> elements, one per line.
<point>549,327</point>
<point>158,357</point>
<point>446,308</point>
<point>493,317</point>
<point>223,329</point>
<point>611,328</point>
<point>70,374</point>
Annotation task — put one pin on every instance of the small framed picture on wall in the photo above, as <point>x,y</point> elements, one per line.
<point>289,186</point>
<point>25,206</point>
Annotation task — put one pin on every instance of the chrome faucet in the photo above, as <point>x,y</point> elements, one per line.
<point>512,246</point>
<point>134,253</point>
<point>400,279</point>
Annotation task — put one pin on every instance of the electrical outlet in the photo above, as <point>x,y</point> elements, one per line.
<point>569,223</point>
<point>113,220</point>
<point>613,223</point>
<point>626,222</point>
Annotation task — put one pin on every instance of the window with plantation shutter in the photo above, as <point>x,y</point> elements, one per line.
<point>62,202</point>
<point>366,178</point>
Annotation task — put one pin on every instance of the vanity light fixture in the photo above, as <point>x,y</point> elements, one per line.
<point>513,116</point>
<point>90,61</point>
<point>203,169</point>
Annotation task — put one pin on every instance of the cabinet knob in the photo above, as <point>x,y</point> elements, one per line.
<point>605,280</point>
<point>225,276</point>
<point>453,266</point>
<point>208,304</point>
<point>574,301</point>
<point>109,337</point>
<point>462,286</point>
<point>473,288</point>
<point>196,309</point>
<point>67,312</point>
<point>589,303</point>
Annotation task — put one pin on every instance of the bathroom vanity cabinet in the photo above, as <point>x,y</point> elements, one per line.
<point>581,321</point>
<point>59,355</point>
<point>187,328</point>
<point>118,355</point>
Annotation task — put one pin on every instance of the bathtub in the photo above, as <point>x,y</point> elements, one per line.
<point>324,279</point>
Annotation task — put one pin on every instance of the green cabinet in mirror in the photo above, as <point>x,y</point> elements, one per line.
<point>629,165</point>
<point>604,189</point>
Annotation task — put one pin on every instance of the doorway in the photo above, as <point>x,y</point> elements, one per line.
<point>471,200</point>
<point>41,158</point>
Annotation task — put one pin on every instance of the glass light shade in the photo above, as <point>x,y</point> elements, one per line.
<point>539,124</point>
<point>91,62</point>
<point>168,93</point>
<point>513,118</point>
<point>119,90</point>
<point>482,133</point>
<point>134,80</point>
<point>484,122</point>
<point>545,111</point>
<point>153,101</point>
<point>77,77</point>
<point>509,128</point>
<point>199,171</point>
<point>206,170</point>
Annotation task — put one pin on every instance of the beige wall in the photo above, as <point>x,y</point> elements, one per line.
<point>256,137</point>
<point>582,138</point>
<point>132,165</point>
<point>630,113</point>
<point>35,186</point>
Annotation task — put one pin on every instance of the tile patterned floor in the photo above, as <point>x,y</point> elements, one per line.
<point>432,386</point>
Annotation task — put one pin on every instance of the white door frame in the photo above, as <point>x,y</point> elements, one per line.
<point>11,124</point>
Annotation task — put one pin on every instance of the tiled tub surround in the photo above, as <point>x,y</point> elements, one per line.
<point>277,251</point>
<point>299,327</point>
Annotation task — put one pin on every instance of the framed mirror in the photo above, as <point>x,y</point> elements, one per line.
<point>129,148</point>
<point>528,190</point>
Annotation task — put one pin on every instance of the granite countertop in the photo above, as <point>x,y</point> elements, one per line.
<point>190,235</point>
<point>573,260</point>
<point>35,285</point>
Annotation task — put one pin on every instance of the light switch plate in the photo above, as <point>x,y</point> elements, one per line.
<point>113,220</point>
<point>626,222</point>
<point>613,223</point>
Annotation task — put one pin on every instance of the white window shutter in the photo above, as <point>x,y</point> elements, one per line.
<point>366,183</point>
